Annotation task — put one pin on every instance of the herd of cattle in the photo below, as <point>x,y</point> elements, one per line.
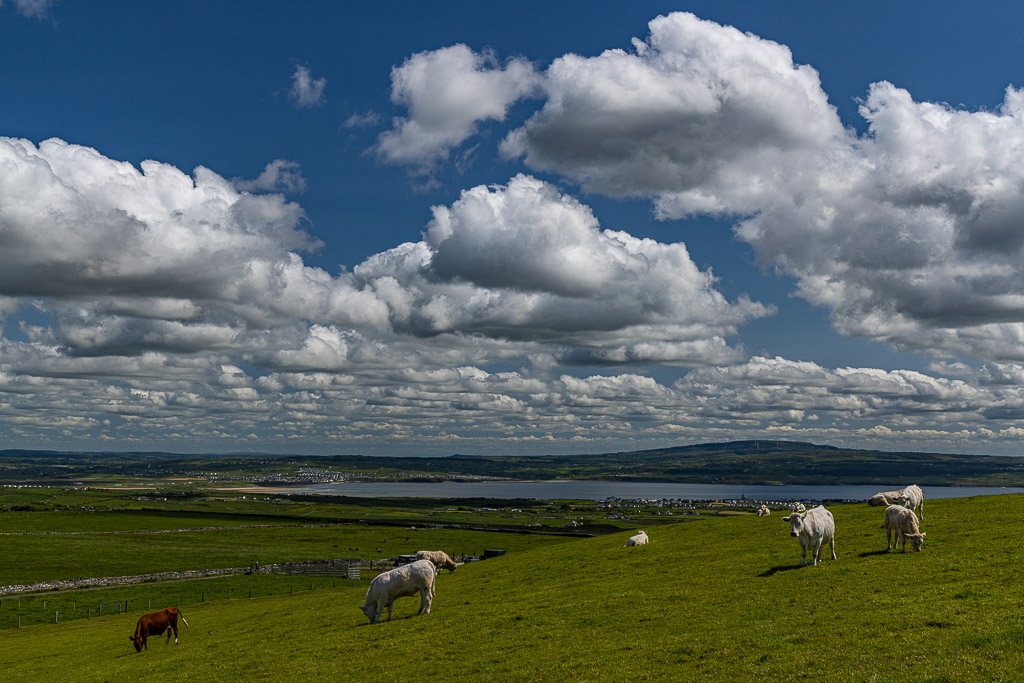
<point>816,527</point>
<point>813,528</point>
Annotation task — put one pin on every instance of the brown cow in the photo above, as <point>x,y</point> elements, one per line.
<point>155,623</point>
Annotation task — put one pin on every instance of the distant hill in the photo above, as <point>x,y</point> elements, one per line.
<point>735,462</point>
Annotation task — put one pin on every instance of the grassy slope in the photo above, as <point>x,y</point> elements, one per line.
<point>722,599</point>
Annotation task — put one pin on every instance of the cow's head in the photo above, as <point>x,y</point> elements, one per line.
<point>137,642</point>
<point>796,523</point>
<point>917,540</point>
<point>370,611</point>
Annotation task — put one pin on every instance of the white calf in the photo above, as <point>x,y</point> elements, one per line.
<point>639,539</point>
<point>401,582</point>
<point>813,529</point>
<point>902,523</point>
<point>912,498</point>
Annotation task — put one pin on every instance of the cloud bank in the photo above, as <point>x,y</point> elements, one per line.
<point>149,305</point>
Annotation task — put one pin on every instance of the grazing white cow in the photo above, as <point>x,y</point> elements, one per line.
<point>901,524</point>
<point>885,498</point>
<point>439,558</point>
<point>912,498</point>
<point>639,539</point>
<point>813,529</point>
<point>400,582</point>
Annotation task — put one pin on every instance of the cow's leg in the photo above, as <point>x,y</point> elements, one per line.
<point>832,545</point>
<point>888,537</point>
<point>391,606</point>
<point>175,627</point>
<point>425,599</point>
<point>921,507</point>
<point>803,555</point>
<point>817,551</point>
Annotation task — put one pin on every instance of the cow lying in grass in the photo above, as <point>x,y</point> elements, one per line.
<point>439,558</point>
<point>813,529</point>
<point>639,539</point>
<point>763,511</point>
<point>901,522</point>
<point>400,582</point>
<point>885,498</point>
<point>155,623</point>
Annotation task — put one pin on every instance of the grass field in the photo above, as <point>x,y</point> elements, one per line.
<point>723,599</point>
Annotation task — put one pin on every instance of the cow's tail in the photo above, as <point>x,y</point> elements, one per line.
<point>183,619</point>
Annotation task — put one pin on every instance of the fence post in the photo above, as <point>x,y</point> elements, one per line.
<point>19,621</point>
<point>55,615</point>
<point>44,604</point>
<point>72,608</point>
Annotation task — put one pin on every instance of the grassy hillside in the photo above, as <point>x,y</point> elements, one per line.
<point>720,599</point>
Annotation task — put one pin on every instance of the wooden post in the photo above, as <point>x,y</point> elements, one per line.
<point>55,615</point>
<point>72,608</point>
<point>44,604</point>
<point>150,604</point>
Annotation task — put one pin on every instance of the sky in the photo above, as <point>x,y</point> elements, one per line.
<point>431,228</point>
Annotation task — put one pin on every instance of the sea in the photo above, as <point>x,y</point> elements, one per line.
<point>576,489</point>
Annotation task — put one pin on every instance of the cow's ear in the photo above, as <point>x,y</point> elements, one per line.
<point>785,519</point>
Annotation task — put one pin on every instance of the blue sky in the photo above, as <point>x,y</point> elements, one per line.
<point>402,228</point>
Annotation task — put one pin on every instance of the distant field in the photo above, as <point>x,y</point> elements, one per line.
<point>721,600</point>
<point>33,558</point>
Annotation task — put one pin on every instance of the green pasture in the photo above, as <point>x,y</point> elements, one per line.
<point>724,599</point>
<point>29,558</point>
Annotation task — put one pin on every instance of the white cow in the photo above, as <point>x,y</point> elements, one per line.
<point>763,511</point>
<point>797,507</point>
<point>912,498</point>
<point>400,582</point>
<point>639,539</point>
<point>901,522</point>
<point>439,558</point>
<point>885,498</point>
<point>813,529</point>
